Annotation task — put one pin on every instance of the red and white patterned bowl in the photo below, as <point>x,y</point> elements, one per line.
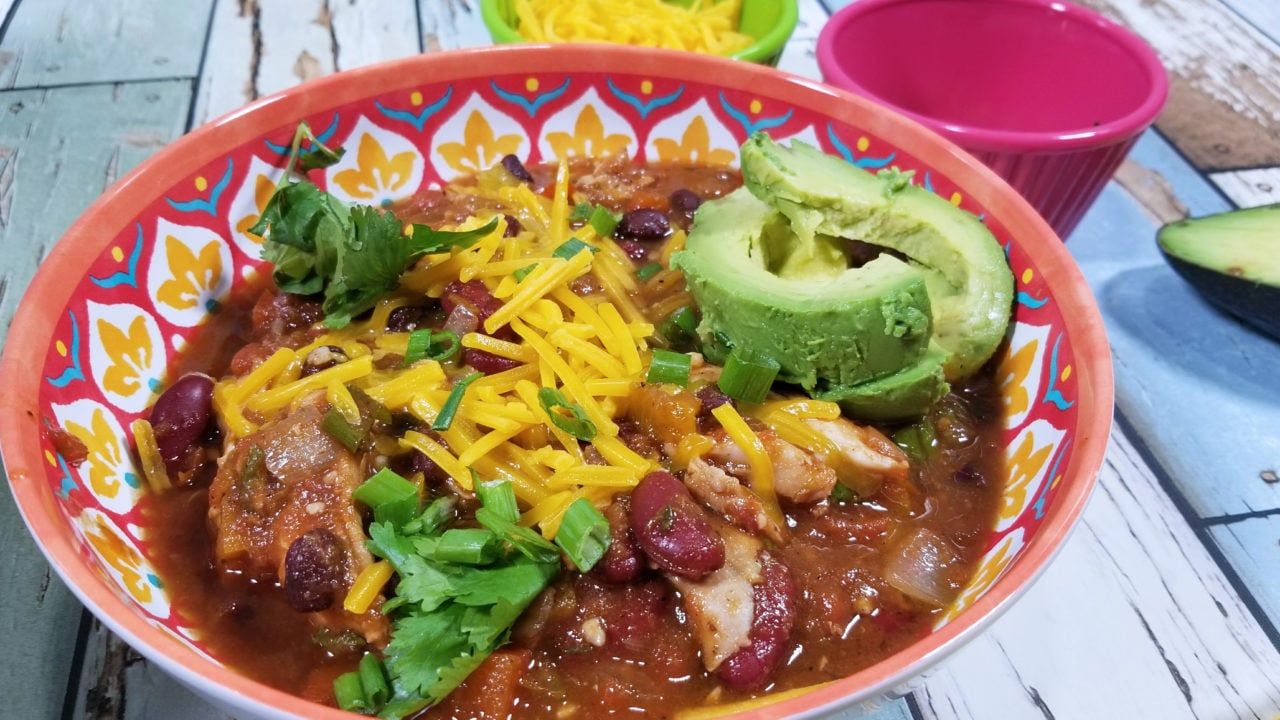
<point>131,282</point>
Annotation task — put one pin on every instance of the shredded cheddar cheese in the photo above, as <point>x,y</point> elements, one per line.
<point>708,26</point>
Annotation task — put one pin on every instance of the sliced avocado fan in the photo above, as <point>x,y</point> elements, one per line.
<point>768,267</point>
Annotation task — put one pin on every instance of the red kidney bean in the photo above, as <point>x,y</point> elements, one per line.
<point>513,226</point>
<point>322,358</point>
<point>634,250</point>
<point>672,528</point>
<point>488,363</point>
<point>775,616</point>
<point>406,318</point>
<point>517,169</point>
<point>684,201</point>
<point>179,418</point>
<point>622,562</point>
<point>313,570</point>
<point>643,224</point>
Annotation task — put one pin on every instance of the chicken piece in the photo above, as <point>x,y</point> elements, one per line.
<point>281,507</point>
<point>721,606</point>
<point>798,476</point>
<point>726,495</point>
<point>866,457</point>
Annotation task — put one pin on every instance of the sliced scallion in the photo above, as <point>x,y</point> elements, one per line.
<point>373,678</point>
<point>450,408</point>
<point>348,692</point>
<point>438,346</point>
<point>575,422</point>
<point>572,247</point>
<point>669,367</point>
<point>526,540</point>
<point>522,273</point>
<point>748,375</point>
<point>500,497</point>
<point>603,221</point>
<point>583,534</point>
<point>467,546</point>
<point>644,272</point>
<point>392,498</point>
<point>436,514</point>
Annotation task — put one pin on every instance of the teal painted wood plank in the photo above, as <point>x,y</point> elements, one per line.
<point>1253,548</point>
<point>63,42</point>
<point>1198,386</point>
<point>59,149</point>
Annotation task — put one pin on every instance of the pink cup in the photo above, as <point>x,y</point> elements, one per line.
<point>1048,94</point>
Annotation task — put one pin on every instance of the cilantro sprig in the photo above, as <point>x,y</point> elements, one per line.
<point>352,254</point>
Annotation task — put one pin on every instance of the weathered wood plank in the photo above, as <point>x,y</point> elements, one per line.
<point>1133,620</point>
<point>1198,386</point>
<point>1250,188</point>
<point>452,24</point>
<point>55,158</point>
<point>800,55</point>
<point>257,47</point>
<point>1253,548</point>
<point>1224,100</point>
<point>1263,14</point>
<point>63,42</point>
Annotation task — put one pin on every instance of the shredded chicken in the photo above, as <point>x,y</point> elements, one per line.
<point>867,458</point>
<point>289,478</point>
<point>726,495</point>
<point>721,606</point>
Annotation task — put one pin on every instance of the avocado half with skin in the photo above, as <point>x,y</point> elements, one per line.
<point>1233,259</point>
<point>769,268</point>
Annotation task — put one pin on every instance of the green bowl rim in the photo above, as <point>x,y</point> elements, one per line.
<point>765,49</point>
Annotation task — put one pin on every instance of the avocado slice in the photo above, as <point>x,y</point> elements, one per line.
<point>1233,259</point>
<point>843,326</point>
<point>968,277</point>
<point>769,268</point>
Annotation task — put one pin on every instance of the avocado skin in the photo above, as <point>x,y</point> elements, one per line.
<point>1233,260</point>
<point>900,396</point>
<point>969,282</point>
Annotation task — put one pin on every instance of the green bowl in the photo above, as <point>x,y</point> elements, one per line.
<point>769,22</point>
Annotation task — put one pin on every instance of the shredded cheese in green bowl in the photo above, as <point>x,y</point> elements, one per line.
<point>752,30</point>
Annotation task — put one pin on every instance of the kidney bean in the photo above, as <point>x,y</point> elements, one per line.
<point>313,570</point>
<point>622,562</point>
<point>406,318</point>
<point>643,224</point>
<point>513,226</point>
<point>684,201</point>
<point>672,528</point>
<point>517,169</point>
<point>488,363</point>
<point>179,418</point>
<point>634,250</point>
<point>775,616</point>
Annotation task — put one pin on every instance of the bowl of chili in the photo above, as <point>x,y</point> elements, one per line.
<point>300,484</point>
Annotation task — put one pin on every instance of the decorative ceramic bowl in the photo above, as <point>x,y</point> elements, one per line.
<point>133,280</point>
<point>769,22</point>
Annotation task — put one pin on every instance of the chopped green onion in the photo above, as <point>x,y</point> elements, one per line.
<point>438,346</point>
<point>393,498</point>
<point>526,540</point>
<point>583,534</point>
<point>468,546</point>
<point>917,440</point>
<point>842,493</point>
<point>373,678</point>
<point>523,272</point>
<point>680,327</point>
<point>436,514</point>
<point>669,367</point>
<point>500,497</point>
<point>581,212</point>
<point>603,221</point>
<point>450,407</point>
<point>576,423</point>
<point>339,429</point>
<point>644,272</point>
<point>348,692</point>
<point>748,375</point>
<point>572,247</point>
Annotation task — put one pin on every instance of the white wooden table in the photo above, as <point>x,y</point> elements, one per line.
<point>1163,605</point>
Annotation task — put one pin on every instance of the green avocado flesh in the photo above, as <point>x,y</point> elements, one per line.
<point>768,267</point>
<point>1233,260</point>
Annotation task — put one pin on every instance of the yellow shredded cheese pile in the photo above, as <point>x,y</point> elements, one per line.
<point>707,26</point>
<point>593,349</point>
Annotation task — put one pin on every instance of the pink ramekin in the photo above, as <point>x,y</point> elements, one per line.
<point>1048,94</point>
